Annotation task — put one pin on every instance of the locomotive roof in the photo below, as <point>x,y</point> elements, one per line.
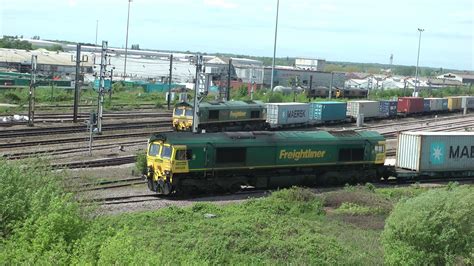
<point>223,105</point>
<point>259,137</point>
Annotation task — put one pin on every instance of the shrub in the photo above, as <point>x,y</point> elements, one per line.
<point>12,97</point>
<point>275,98</point>
<point>38,221</point>
<point>140,162</point>
<point>432,229</point>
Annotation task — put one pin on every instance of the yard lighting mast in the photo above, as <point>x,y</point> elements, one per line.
<point>102,76</point>
<point>199,63</point>
<point>126,41</point>
<point>31,95</point>
<point>417,62</point>
<point>274,47</point>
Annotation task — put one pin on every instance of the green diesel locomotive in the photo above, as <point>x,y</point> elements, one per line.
<point>217,116</point>
<point>184,162</point>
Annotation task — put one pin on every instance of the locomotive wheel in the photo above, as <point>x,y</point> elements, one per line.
<point>166,188</point>
<point>152,185</point>
<point>234,188</point>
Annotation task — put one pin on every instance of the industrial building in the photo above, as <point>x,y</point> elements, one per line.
<point>284,76</point>
<point>49,63</point>
<point>243,69</point>
<point>310,64</point>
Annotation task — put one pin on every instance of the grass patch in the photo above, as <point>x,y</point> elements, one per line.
<point>288,226</point>
<point>355,209</point>
<point>41,223</point>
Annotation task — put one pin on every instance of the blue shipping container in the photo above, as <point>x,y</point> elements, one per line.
<point>327,111</point>
<point>426,105</point>
<point>445,104</point>
<point>388,108</point>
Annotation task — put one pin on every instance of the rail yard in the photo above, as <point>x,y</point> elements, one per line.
<point>179,140</point>
<point>125,134</point>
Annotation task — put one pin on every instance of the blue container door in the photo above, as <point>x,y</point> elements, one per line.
<point>445,104</point>
<point>426,105</point>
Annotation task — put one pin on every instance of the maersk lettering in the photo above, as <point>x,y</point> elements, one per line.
<point>460,152</point>
<point>296,113</point>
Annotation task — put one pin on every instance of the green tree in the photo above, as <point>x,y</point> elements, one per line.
<point>14,43</point>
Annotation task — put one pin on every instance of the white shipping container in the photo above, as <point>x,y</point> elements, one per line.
<point>367,108</point>
<point>280,114</point>
<point>467,101</point>
<point>436,104</point>
<point>435,151</point>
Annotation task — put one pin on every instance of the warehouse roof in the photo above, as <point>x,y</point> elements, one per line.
<point>44,57</point>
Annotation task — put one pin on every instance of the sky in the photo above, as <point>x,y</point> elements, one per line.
<point>367,31</point>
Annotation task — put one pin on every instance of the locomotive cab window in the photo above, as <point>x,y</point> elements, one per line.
<point>189,112</point>
<point>178,112</point>
<point>154,149</point>
<point>350,155</point>
<point>254,114</point>
<point>213,114</point>
<point>379,148</point>
<point>231,155</point>
<point>183,155</point>
<point>166,152</point>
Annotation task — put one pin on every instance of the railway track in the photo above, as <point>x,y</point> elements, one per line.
<point>81,139</point>
<point>439,126</point>
<point>244,193</point>
<point>96,163</point>
<point>124,199</point>
<point>25,132</point>
<point>400,122</point>
<point>247,192</point>
<point>102,185</point>
<point>63,151</point>
<point>61,117</point>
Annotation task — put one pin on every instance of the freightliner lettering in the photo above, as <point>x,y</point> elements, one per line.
<point>301,154</point>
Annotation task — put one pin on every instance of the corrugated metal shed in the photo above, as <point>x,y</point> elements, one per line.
<point>44,57</point>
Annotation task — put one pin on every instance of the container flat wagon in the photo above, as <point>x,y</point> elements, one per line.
<point>435,154</point>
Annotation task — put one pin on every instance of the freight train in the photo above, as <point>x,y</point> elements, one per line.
<point>186,162</point>
<point>255,115</point>
<point>323,92</point>
<point>219,116</point>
